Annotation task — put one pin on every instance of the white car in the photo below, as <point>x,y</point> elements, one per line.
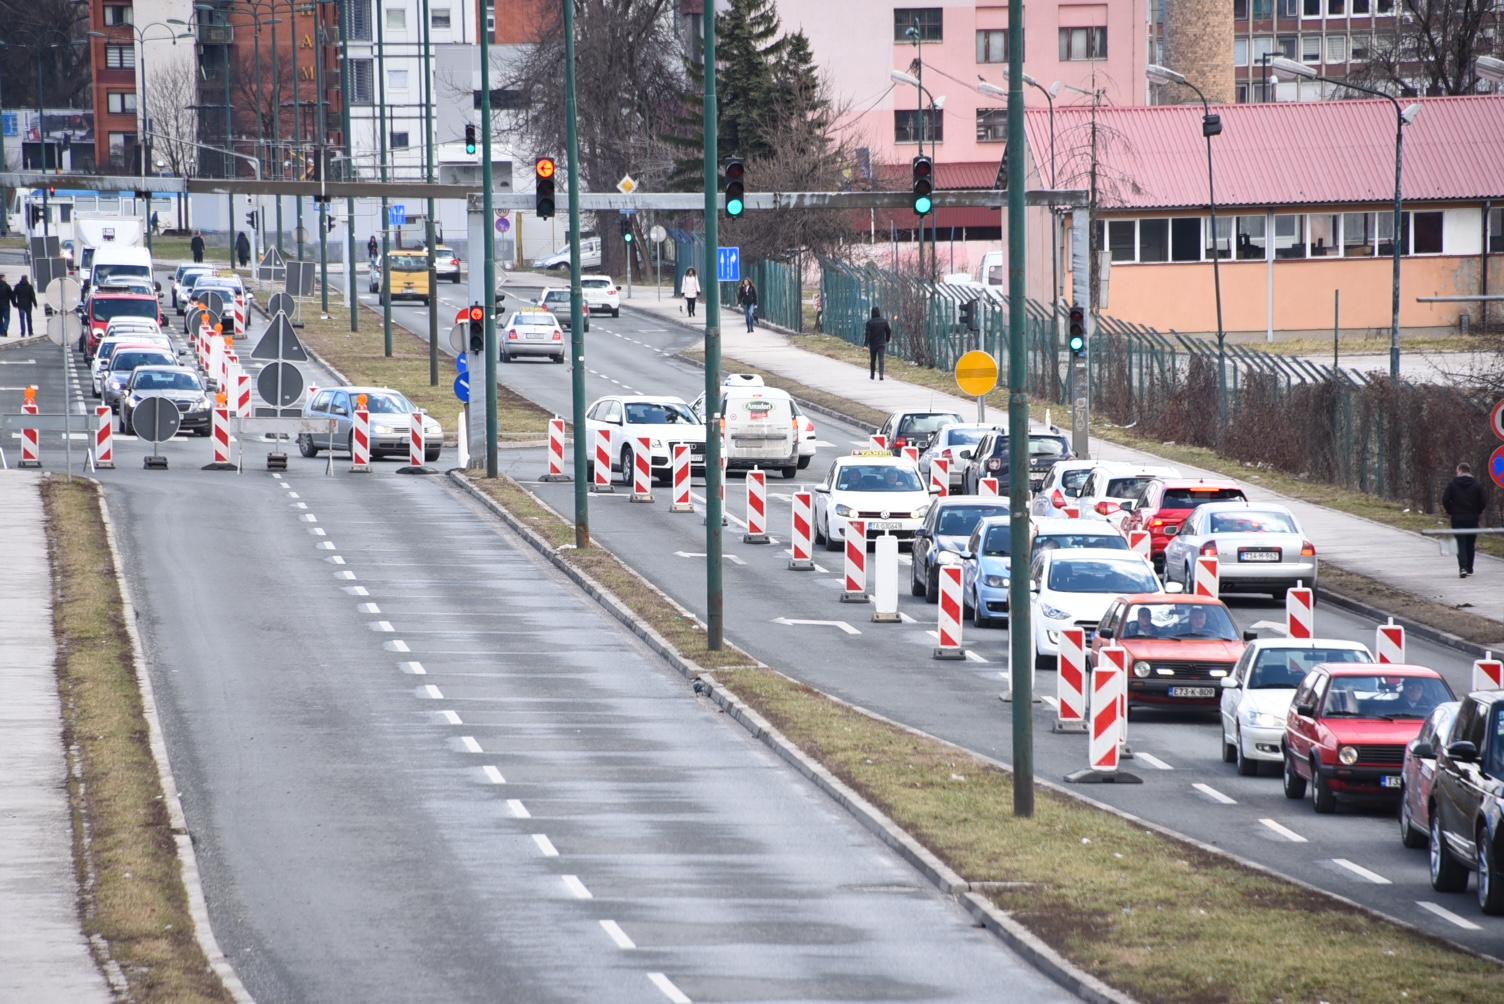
<point>1058,495</point>
<point>663,421</point>
<point>1073,587</point>
<point>1110,485</point>
<point>1256,695</point>
<point>180,285</point>
<point>1259,547</point>
<point>107,346</point>
<point>601,293</point>
<point>954,443</point>
<point>875,486</point>
<point>1061,533</point>
<point>533,332</point>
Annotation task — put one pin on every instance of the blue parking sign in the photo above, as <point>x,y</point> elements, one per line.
<point>728,263</point>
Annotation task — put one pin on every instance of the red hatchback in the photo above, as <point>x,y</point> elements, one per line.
<point>1166,504</point>
<point>103,307</point>
<point>1348,727</point>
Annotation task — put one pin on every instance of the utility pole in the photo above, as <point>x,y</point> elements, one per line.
<point>488,278</point>
<point>277,120</point>
<point>386,228</point>
<point>576,312</point>
<point>344,112</point>
<point>322,153</point>
<point>428,157</point>
<point>297,124</point>
<point>715,628</point>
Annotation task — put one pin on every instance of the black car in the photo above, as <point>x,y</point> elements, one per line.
<point>914,428</point>
<point>179,385</point>
<point>1467,802</point>
<point>946,528</point>
<point>990,459</point>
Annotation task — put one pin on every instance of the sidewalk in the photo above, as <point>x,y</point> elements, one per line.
<point>1398,558</point>
<point>43,954</point>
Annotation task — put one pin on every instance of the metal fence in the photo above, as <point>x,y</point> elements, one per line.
<point>779,285</point>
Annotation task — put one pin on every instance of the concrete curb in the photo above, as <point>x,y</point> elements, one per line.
<point>16,343</point>
<point>198,906</point>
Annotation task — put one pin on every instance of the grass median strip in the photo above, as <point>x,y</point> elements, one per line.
<point>134,900</point>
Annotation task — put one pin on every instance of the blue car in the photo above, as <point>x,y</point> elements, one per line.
<point>946,529</point>
<point>984,571</point>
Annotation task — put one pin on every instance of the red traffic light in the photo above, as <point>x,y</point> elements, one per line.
<point>477,314</point>
<point>923,168</point>
<point>545,167</point>
<point>735,170</point>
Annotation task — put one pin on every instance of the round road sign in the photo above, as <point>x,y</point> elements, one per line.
<point>156,420</point>
<point>215,301</point>
<point>279,384</point>
<point>1496,467</point>
<point>1496,419</point>
<point>64,329</point>
<point>281,303</point>
<point>63,293</point>
<point>657,234</point>
<point>976,373</point>
<point>503,224</point>
<point>459,338</point>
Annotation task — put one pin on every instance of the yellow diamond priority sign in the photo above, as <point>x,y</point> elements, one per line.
<point>976,373</point>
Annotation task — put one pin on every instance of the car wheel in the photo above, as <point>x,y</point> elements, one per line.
<point>125,425</point>
<point>1295,785</point>
<point>804,462</point>
<point>831,544</point>
<point>1447,873</point>
<point>1228,753</point>
<point>627,462</point>
<point>1322,799</point>
<point>430,456</point>
<point>1409,835</point>
<point>788,472</point>
<point>1490,888</point>
<point>306,447</point>
<point>616,312</point>
<point>932,587</point>
<point>819,535</point>
<point>916,588</point>
<point>1246,767</point>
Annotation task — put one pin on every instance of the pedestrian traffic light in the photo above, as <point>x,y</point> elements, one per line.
<point>626,229</point>
<point>470,139</point>
<point>969,315</point>
<point>250,219</point>
<point>736,189</point>
<point>1078,332</point>
<point>477,328</point>
<point>924,184</point>
<point>543,187</point>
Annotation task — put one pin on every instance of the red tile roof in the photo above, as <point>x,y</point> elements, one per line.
<point>1281,153</point>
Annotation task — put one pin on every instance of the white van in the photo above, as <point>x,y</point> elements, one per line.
<point>761,430</point>
<point>590,256</point>
<point>111,260</point>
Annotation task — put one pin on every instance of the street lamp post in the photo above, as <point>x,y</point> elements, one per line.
<point>144,143</point>
<point>345,95</point>
<point>1290,69</point>
<point>1211,125</point>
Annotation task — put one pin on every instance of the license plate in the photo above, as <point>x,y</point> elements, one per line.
<point>1389,781</point>
<point>889,525</point>
<point>1244,554</point>
<point>1193,692</point>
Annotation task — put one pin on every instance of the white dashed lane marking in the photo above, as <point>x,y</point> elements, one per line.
<point>1447,915</point>
<point>493,774</point>
<point>1282,830</point>
<point>576,887</point>
<point>673,993</point>
<point>1360,871</point>
<point>545,845</point>
<point>1214,794</point>
<point>518,809</point>
<point>471,746</point>
<point>617,935</point>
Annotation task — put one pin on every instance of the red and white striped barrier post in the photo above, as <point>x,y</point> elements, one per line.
<point>602,483</point>
<point>911,454</point>
<point>417,447</point>
<point>856,562</point>
<point>1070,681</point>
<point>1108,685</point>
<point>360,442</point>
<point>1300,612</point>
<point>104,437</point>
<point>876,442</point>
<point>680,502</point>
<point>948,633</point>
<point>219,435</point>
<point>31,442</point>
<point>1390,646</point>
<point>242,397</point>
<point>1117,657</point>
<point>940,476</point>
<point>987,487</point>
<point>239,315</point>
<point>1139,542</point>
<point>757,507</point>
<point>1072,512</point>
<point>1205,582</point>
<point>555,451</point>
<point>642,469</point>
<point>1488,673</point>
<point>801,536</point>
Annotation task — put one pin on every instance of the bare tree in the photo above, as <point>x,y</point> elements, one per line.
<point>32,28</point>
<point>172,113</point>
<point>1432,48</point>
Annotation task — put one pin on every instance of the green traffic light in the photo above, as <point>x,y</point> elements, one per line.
<point>470,148</point>
<point>1077,343</point>
<point>734,207</point>
<point>923,204</point>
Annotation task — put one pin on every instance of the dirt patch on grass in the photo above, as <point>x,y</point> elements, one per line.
<point>134,901</point>
<point>1470,626</point>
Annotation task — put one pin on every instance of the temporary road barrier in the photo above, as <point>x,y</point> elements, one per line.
<point>1206,583</point>
<point>1109,685</point>
<point>1488,673</point>
<point>987,487</point>
<point>104,437</point>
<point>1070,681</point>
<point>681,501</point>
<point>31,442</point>
<point>877,442</point>
<point>948,635</point>
<point>1139,542</point>
<point>801,552</point>
<point>242,393</point>
<point>1300,612</point>
<point>219,434</point>
<point>360,442</point>
<point>642,469</point>
<point>216,361</point>
<point>856,562</point>
<point>1072,512</point>
<point>885,580</point>
<point>555,451</point>
<point>1390,645</point>
<point>757,507</point>
<point>1117,656</point>
<point>602,461</point>
<point>911,454</point>
<point>940,476</point>
<point>417,448</point>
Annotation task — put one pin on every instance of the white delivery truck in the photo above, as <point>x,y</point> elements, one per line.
<point>94,231</point>
<point>761,430</point>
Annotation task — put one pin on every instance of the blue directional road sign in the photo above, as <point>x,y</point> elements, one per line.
<point>396,216</point>
<point>461,365</point>
<point>728,264</point>
<point>462,388</point>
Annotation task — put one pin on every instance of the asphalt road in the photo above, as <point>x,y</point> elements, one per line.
<point>887,667</point>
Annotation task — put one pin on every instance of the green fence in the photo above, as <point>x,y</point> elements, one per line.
<point>780,290</point>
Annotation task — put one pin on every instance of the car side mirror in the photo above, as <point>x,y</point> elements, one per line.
<point>1034,587</point>
<point>613,421</point>
<point>921,533</point>
<point>1463,751</point>
<point>1105,633</point>
<point>934,489</point>
<point>1174,587</point>
<point>966,454</point>
<point>1424,750</point>
<point>965,555</point>
<point>1305,710</point>
<point>1250,636</point>
<point>1229,683</point>
<point>1127,505</point>
<point>822,489</point>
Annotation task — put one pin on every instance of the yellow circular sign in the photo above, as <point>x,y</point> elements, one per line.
<point>976,373</point>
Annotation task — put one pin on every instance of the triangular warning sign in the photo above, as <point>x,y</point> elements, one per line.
<point>280,342</point>
<point>272,257</point>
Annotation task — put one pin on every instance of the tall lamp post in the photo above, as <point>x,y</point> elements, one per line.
<point>1289,69</point>
<point>1211,125</point>
<point>1490,68</point>
<point>142,37</point>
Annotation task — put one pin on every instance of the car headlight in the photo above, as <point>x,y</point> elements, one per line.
<point>948,558</point>
<point>1264,720</point>
<point>199,405</point>
<point>995,581</point>
<point>919,513</point>
<point>1141,669</point>
<point>1348,755</point>
<point>1053,614</point>
<point>114,384</point>
<point>843,510</point>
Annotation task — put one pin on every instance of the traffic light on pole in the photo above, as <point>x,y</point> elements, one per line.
<point>470,140</point>
<point>1077,332</point>
<point>477,328</point>
<point>250,219</point>
<point>969,315</point>
<point>626,229</point>
<point>329,223</point>
<point>736,189</point>
<point>543,187</point>
<point>924,184</point>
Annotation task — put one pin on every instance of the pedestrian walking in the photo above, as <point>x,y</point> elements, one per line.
<point>24,296</point>
<point>690,287</point>
<point>876,338</point>
<point>746,298</point>
<point>243,249</point>
<point>197,245</point>
<point>373,248</point>
<point>5,296</point>
<point>156,226</point>
<point>1464,501</point>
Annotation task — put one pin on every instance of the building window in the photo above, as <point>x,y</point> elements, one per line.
<point>927,23</point>
<point>1240,93</point>
<point>1311,8</point>
<point>1358,235</point>
<point>1263,46</point>
<point>396,19</point>
<point>1289,8</point>
<point>399,141</point>
<point>1153,240</point>
<point>1240,10</point>
<point>1323,229</point>
<point>992,125</point>
<point>1495,243</point>
<point>121,102</point>
<point>1288,46</point>
<point>1426,233</point>
<point>1336,48</point>
<point>1361,46</point>
<point>1361,7</point>
<point>1384,228</point>
<point>1240,52</point>
<point>1310,49</point>
<point>118,142</point>
<point>1250,238</point>
<point>120,57</point>
<point>1336,8</point>
<point>992,45</point>
<point>115,15</point>
<point>1185,238</point>
<point>1289,236</point>
<point>439,19</point>
<point>1122,240</point>
<point>362,82</point>
<point>1263,9</point>
<point>360,21</point>
<point>396,80</point>
<point>906,127</point>
<point>1383,7</point>
<point>1223,247</point>
<point>1077,44</point>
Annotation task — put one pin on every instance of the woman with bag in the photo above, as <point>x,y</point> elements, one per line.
<point>690,287</point>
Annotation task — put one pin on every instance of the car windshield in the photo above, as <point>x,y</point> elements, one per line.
<point>1284,668</point>
<point>925,425</point>
<point>660,413</point>
<point>1046,446</point>
<point>595,283</point>
<point>960,520</point>
<point>878,478</point>
<point>1190,498</point>
<point>999,539</point>
<point>1387,697</point>
<point>129,359</point>
<point>388,404</point>
<point>409,263</point>
<point>1092,576</point>
<point>1127,488</point>
<point>558,296</point>
<point>1180,622</point>
<point>104,272</point>
<point>1242,521</point>
<point>962,437</point>
<point>166,380</point>
<point>104,308</point>
<point>534,319</point>
<point>1058,541</point>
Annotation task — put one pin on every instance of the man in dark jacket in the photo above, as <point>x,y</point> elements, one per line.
<point>876,339</point>
<point>24,296</point>
<point>197,244</point>
<point>5,295</point>
<point>1464,501</point>
<point>243,249</point>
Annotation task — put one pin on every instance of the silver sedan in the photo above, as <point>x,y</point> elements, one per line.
<point>1259,547</point>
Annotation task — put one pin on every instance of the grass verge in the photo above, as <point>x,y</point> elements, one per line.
<point>134,899</point>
